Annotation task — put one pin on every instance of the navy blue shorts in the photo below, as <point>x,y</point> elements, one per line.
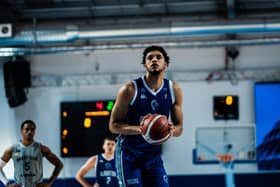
<point>135,171</point>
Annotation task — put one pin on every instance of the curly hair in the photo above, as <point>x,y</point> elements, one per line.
<point>155,48</point>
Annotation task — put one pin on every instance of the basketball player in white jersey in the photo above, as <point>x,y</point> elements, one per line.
<point>27,157</point>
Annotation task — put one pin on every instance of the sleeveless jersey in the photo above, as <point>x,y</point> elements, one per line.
<point>27,161</point>
<point>146,101</point>
<point>106,175</point>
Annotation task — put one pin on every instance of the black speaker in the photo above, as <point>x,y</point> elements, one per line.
<point>17,79</point>
<point>16,96</point>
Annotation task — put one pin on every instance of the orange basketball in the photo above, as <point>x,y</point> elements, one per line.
<point>155,129</point>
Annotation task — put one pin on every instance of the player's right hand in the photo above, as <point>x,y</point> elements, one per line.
<point>171,128</point>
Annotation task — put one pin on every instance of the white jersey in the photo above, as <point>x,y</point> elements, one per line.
<point>28,166</point>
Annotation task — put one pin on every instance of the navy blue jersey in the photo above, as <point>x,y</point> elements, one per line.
<point>146,101</point>
<point>106,175</point>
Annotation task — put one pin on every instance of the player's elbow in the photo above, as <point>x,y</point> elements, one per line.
<point>60,166</point>
<point>77,177</point>
<point>113,128</point>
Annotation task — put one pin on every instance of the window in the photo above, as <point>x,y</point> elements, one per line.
<point>267,117</point>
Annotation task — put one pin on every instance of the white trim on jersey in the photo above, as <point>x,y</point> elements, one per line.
<point>171,91</point>
<point>135,94</point>
<point>149,89</point>
<point>96,163</point>
<point>119,163</point>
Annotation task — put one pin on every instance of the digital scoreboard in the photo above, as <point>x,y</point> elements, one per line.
<point>225,107</point>
<point>84,125</point>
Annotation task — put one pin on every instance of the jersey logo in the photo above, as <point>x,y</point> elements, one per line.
<point>143,95</point>
<point>108,166</point>
<point>17,154</point>
<point>154,105</point>
<point>165,178</point>
<point>132,181</point>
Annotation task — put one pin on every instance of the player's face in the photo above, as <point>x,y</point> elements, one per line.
<point>109,146</point>
<point>28,131</point>
<point>155,62</point>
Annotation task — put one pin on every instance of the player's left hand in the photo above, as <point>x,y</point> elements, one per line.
<point>171,129</point>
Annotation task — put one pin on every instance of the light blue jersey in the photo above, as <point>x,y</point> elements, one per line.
<point>28,165</point>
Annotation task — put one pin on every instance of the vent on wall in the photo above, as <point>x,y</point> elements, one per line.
<point>6,30</point>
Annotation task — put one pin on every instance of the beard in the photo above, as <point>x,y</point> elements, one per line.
<point>154,72</point>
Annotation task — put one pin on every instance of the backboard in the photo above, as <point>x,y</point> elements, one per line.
<point>238,141</point>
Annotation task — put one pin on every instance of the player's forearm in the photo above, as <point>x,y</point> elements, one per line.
<point>82,181</point>
<point>125,129</point>
<point>55,173</point>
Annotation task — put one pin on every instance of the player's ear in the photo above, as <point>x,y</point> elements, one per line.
<point>145,66</point>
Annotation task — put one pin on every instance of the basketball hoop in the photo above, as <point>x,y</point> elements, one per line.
<point>225,158</point>
<point>226,161</point>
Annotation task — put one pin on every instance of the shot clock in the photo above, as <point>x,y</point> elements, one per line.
<point>84,125</point>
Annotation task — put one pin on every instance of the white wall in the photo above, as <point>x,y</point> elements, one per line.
<point>9,128</point>
<point>43,102</point>
<point>198,112</point>
<point>181,59</point>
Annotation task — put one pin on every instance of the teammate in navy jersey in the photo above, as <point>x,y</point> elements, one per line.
<point>105,167</point>
<point>138,162</point>
<point>28,160</point>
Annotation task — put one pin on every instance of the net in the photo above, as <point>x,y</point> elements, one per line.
<point>225,158</point>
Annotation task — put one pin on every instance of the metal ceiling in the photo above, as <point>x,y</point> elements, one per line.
<point>26,10</point>
<point>82,24</point>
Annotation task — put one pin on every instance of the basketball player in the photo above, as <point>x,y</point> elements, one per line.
<point>105,167</point>
<point>138,162</point>
<point>27,157</point>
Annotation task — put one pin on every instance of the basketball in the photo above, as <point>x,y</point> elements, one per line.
<point>155,129</point>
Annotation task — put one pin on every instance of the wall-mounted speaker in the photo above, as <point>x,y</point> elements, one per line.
<point>17,79</point>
